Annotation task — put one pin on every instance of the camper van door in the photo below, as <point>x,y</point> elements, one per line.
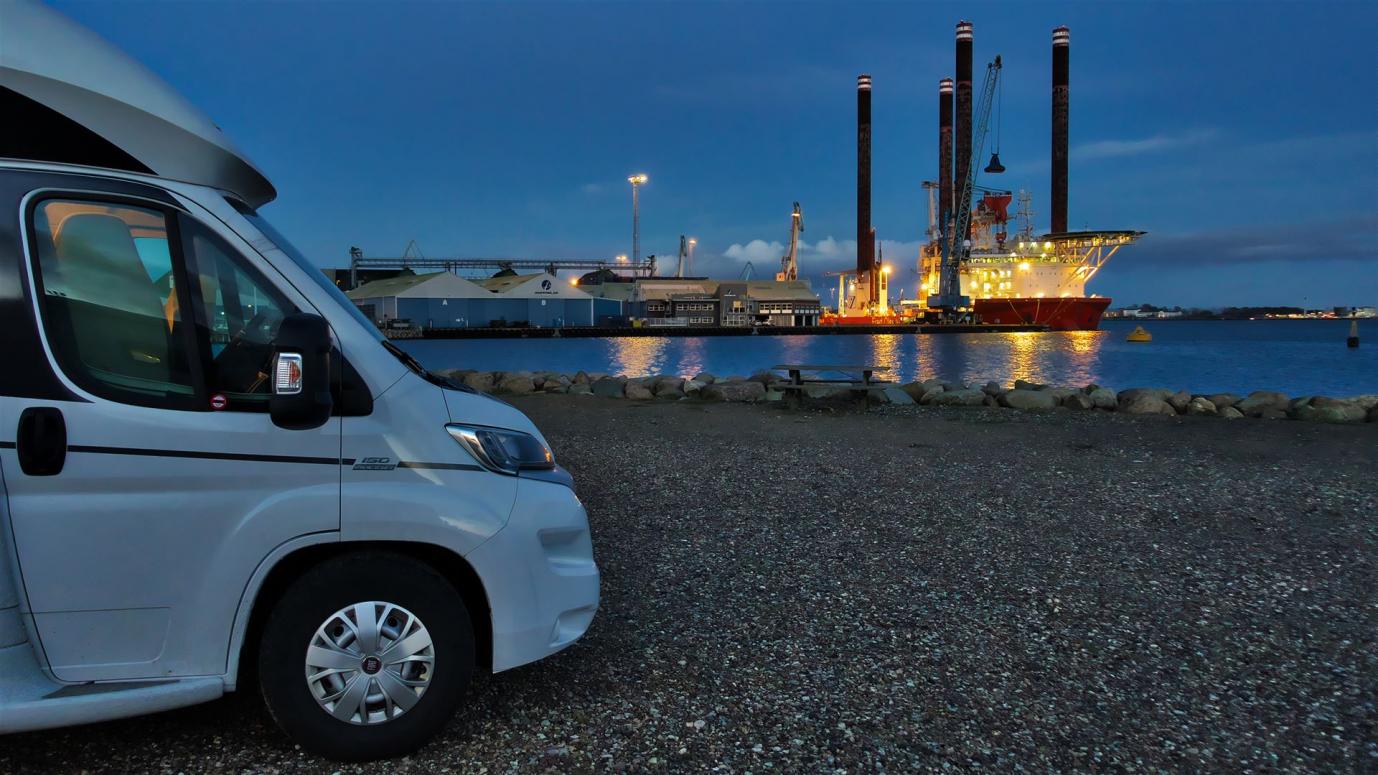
<point>147,485</point>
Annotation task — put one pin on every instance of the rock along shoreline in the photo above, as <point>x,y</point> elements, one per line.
<point>1027,396</point>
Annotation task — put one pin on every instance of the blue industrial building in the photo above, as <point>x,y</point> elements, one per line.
<point>445,300</point>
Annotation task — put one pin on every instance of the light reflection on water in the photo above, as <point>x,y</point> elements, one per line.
<point>1299,357</point>
<point>635,355</point>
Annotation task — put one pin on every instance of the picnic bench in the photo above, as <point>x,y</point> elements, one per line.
<point>859,379</point>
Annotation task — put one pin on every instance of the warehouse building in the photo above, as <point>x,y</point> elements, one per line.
<point>445,300</point>
<point>543,300</point>
<point>685,301</point>
<point>435,300</point>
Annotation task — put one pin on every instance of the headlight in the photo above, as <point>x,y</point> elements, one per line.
<point>503,451</point>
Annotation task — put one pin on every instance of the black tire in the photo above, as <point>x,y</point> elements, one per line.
<point>342,582</point>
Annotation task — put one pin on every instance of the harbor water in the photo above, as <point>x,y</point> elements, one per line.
<point>1298,357</point>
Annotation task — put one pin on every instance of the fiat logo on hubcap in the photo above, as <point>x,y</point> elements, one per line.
<point>372,665</point>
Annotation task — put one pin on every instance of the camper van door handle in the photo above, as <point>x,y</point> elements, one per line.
<point>41,441</point>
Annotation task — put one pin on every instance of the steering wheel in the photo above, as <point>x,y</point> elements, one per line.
<point>245,363</point>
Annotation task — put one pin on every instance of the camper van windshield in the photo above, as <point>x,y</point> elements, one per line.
<point>314,272</point>
<point>317,276</point>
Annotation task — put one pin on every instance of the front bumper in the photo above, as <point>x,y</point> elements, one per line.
<point>539,575</point>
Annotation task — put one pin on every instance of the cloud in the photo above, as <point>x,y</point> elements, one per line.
<point>826,255</point>
<point>1113,149</point>
<point>831,248</point>
<point>904,255</point>
<point>1347,239</point>
<point>755,251</point>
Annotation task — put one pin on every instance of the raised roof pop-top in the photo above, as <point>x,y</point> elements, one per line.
<point>86,85</point>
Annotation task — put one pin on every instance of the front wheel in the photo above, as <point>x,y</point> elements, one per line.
<point>366,656</point>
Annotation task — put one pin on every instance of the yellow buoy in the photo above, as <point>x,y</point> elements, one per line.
<point>1139,335</point>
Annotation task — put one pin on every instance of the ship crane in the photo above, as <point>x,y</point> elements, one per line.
<point>1025,215</point>
<point>789,263</point>
<point>955,244</point>
<point>842,288</point>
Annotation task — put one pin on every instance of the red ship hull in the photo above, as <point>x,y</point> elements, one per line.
<point>1065,314</point>
<point>860,320</point>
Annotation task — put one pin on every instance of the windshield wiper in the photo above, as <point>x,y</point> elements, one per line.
<point>412,363</point>
<point>405,357</point>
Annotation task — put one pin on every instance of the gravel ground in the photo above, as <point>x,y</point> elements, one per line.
<point>826,591</point>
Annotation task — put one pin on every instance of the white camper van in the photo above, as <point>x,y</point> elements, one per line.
<point>212,466</point>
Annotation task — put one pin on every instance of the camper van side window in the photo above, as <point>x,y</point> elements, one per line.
<point>111,304</point>
<point>238,313</point>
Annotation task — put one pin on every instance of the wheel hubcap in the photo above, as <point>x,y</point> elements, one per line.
<point>369,663</point>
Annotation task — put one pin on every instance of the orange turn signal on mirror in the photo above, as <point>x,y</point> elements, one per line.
<point>287,374</point>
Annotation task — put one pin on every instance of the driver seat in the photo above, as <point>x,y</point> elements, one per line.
<point>113,312</point>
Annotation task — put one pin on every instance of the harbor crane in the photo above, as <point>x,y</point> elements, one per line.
<point>686,255</point>
<point>789,263</point>
<point>955,244</point>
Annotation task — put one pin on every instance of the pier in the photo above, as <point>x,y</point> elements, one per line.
<point>684,331</point>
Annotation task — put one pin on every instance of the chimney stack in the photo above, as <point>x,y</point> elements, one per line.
<point>865,248</point>
<point>962,128</point>
<point>944,153</point>
<point>1062,40</point>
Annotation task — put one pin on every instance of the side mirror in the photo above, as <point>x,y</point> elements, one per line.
<point>301,373</point>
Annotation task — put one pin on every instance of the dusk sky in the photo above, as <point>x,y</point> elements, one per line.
<point>1242,136</point>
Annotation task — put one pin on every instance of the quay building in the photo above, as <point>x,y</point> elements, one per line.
<point>442,300</point>
<point>692,301</point>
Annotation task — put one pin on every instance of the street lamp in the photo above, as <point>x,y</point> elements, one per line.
<point>692,243</point>
<point>636,180</point>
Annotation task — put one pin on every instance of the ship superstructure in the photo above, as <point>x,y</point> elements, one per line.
<point>1027,278</point>
<point>1039,278</point>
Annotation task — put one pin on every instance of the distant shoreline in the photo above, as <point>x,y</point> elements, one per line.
<point>600,332</point>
